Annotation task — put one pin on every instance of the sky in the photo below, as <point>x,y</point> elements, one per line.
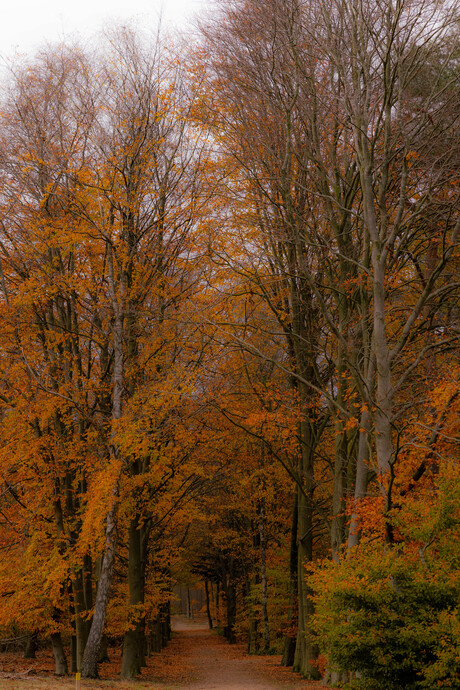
<point>25,25</point>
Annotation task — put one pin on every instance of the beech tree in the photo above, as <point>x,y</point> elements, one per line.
<point>100,205</point>
<point>47,386</point>
<point>146,180</point>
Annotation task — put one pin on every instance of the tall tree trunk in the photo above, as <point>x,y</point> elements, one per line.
<point>290,639</point>
<point>263,576</point>
<point>134,638</point>
<point>362,477</point>
<point>306,651</point>
<point>339,490</point>
<point>91,654</point>
<point>93,645</point>
<point>80,608</point>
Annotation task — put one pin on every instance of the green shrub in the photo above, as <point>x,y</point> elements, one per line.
<point>384,615</point>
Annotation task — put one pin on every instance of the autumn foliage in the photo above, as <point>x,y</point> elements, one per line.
<point>229,339</point>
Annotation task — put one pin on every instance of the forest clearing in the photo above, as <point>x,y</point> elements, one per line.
<point>229,348</point>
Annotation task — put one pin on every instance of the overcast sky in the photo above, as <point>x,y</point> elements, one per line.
<point>27,24</point>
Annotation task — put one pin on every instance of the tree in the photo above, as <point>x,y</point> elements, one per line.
<point>99,253</point>
<point>318,123</point>
<point>44,136</point>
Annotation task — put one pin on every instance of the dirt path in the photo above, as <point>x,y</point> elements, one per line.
<point>215,664</point>
<point>195,658</point>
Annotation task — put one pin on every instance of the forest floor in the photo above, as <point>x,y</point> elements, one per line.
<point>196,658</point>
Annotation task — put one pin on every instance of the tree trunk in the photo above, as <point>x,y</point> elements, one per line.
<point>339,491</point>
<point>131,663</point>
<point>231,613</point>
<point>73,654</point>
<point>290,638</point>
<point>134,639</point>
<point>263,577</point>
<point>208,608</point>
<point>230,599</point>
<point>253,636</point>
<point>59,655</point>
<point>362,477</point>
<point>218,603</point>
<point>165,623</point>
<point>189,604</point>
<point>340,466</point>
<point>81,625</point>
<point>104,651</point>
<point>93,645</point>
<point>31,646</point>
<point>253,622</point>
<point>306,651</point>
<point>156,641</point>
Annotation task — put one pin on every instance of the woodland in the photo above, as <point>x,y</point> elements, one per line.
<point>229,340</point>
